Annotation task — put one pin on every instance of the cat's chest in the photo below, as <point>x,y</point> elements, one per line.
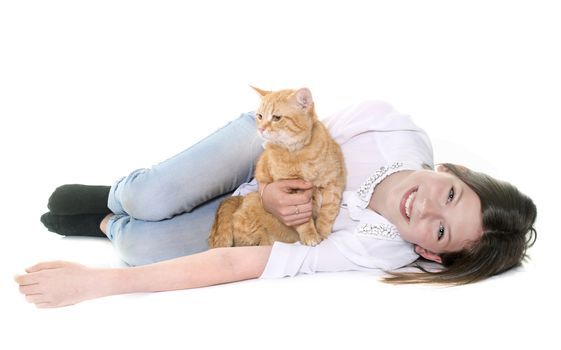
<point>289,166</point>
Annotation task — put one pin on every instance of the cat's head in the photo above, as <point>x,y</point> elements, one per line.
<point>286,117</point>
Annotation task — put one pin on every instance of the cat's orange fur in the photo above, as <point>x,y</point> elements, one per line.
<point>298,146</point>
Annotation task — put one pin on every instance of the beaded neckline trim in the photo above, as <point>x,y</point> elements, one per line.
<point>365,190</point>
<point>382,231</point>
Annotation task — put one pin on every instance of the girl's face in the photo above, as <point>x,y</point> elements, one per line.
<point>434,210</point>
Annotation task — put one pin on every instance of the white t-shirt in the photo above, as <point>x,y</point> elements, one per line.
<point>376,141</point>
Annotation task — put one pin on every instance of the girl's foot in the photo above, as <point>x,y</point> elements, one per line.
<point>79,199</point>
<point>74,225</point>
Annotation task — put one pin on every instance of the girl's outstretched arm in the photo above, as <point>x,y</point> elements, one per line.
<point>60,283</point>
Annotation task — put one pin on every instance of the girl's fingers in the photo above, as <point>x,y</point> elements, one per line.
<point>303,197</point>
<point>45,305</point>
<point>44,266</point>
<point>291,211</point>
<point>298,219</point>
<point>35,298</point>
<point>296,184</point>
<point>296,223</point>
<point>29,289</point>
<point>24,280</point>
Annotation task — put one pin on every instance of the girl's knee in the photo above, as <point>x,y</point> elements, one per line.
<point>143,202</point>
<point>133,203</point>
<point>135,253</point>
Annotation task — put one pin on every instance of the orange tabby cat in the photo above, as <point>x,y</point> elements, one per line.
<point>298,146</point>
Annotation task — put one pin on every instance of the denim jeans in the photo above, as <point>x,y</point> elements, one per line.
<point>167,211</point>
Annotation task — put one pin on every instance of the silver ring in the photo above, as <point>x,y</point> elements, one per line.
<point>296,211</point>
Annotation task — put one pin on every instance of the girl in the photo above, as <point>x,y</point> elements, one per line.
<point>396,211</point>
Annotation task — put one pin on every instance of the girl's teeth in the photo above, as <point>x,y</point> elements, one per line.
<point>408,204</point>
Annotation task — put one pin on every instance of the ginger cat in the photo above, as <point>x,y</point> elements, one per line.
<point>298,146</point>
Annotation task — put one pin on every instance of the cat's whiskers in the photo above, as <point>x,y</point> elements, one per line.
<point>288,140</point>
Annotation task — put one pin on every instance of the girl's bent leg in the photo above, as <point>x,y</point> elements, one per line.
<point>141,242</point>
<point>214,166</point>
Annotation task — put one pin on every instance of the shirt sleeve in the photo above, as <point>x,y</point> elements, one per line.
<point>288,260</point>
<point>246,188</point>
<point>398,138</point>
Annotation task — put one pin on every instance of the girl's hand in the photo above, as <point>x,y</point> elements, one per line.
<point>59,283</point>
<point>290,201</point>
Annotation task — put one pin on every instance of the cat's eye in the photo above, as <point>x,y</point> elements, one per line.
<point>276,118</point>
<point>259,116</point>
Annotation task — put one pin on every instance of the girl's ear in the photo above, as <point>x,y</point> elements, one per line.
<point>427,254</point>
<point>443,168</point>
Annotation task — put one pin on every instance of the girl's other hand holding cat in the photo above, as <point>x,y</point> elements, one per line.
<point>290,201</point>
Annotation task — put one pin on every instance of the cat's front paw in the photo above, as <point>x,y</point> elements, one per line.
<point>311,240</point>
<point>324,230</point>
<point>308,234</point>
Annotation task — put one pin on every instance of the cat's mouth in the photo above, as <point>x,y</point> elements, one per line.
<point>264,135</point>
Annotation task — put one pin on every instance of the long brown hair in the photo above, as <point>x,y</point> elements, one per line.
<point>508,225</point>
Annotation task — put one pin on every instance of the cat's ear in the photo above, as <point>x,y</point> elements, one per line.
<point>303,98</point>
<point>259,91</point>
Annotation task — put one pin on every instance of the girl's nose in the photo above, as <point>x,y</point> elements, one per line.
<point>427,208</point>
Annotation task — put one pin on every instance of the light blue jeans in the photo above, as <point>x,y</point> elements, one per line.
<point>167,211</point>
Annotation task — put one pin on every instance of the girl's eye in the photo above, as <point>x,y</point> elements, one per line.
<point>440,233</point>
<point>259,116</point>
<point>451,195</point>
<point>276,118</point>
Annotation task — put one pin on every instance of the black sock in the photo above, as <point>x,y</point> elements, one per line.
<point>79,199</point>
<point>74,225</point>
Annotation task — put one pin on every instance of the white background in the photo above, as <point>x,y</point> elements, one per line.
<point>92,90</point>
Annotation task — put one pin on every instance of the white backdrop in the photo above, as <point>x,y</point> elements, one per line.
<point>92,90</point>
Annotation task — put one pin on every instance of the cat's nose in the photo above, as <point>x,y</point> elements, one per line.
<point>260,130</point>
